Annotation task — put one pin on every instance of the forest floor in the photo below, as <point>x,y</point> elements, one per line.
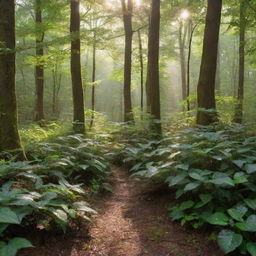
<point>130,223</point>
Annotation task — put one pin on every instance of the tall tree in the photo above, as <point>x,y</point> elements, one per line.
<point>153,82</point>
<point>77,87</point>
<point>9,136</point>
<point>141,71</point>
<point>206,113</point>
<point>182,40</point>
<point>39,68</point>
<point>240,94</point>
<point>127,8</point>
<point>93,75</point>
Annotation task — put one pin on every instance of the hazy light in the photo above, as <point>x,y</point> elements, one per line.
<point>117,3</point>
<point>174,23</point>
<point>184,14</point>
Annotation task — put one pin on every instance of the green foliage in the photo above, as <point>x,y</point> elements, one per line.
<point>213,174</point>
<point>51,187</point>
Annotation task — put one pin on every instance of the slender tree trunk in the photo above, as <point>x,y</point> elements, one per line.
<point>206,86</point>
<point>39,68</point>
<point>9,136</point>
<point>141,73</point>
<point>93,78</point>
<point>182,61</point>
<point>240,95</point>
<point>76,76</point>
<point>153,65</point>
<point>127,18</point>
<point>188,62</point>
<point>217,79</point>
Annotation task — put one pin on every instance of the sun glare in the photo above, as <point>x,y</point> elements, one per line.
<point>184,14</point>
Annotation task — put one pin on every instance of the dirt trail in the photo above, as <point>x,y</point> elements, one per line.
<point>133,224</point>
<point>129,223</point>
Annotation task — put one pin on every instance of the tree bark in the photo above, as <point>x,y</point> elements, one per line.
<point>206,113</point>
<point>93,78</point>
<point>39,68</point>
<point>182,62</point>
<point>240,96</point>
<point>141,73</point>
<point>153,82</point>
<point>9,136</point>
<point>76,76</point>
<point>127,19</point>
<point>192,30</point>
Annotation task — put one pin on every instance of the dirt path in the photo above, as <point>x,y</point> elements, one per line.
<point>130,223</point>
<point>133,224</point>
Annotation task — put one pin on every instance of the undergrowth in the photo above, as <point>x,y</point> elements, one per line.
<point>51,188</point>
<point>212,171</point>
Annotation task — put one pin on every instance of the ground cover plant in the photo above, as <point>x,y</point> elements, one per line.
<point>51,188</point>
<point>213,176</point>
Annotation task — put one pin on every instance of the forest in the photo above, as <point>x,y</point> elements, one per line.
<point>127,127</point>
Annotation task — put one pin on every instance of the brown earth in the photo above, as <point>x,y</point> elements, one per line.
<point>130,223</point>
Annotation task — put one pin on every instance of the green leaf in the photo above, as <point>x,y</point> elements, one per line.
<point>205,199</point>
<point>186,205</point>
<point>218,218</point>
<point>60,214</point>
<point>222,181</point>
<point>196,176</point>
<point>238,212</point>
<point>251,203</point>
<point>177,214</point>
<point>250,168</point>
<point>172,181</point>
<point>249,225</point>
<point>83,206</point>
<point>228,241</point>
<point>251,248</point>
<point>13,246</point>
<point>191,186</point>
<point>8,216</point>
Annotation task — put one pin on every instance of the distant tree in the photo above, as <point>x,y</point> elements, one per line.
<point>206,113</point>
<point>240,93</point>
<point>127,8</point>
<point>153,83</point>
<point>77,87</point>
<point>39,68</point>
<point>9,136</point>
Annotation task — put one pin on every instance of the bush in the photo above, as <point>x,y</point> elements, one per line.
<point>50,187</point>
<point>213,174</point>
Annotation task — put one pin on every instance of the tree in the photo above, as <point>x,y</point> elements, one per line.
<point>240,94</point>
<point>9,136</point>
<point>39,68</point>
<point>77,87</point>
<point>206,113</point>
<point>153,82</point>
<point>127,9</point>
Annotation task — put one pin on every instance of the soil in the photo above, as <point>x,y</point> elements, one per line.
<point>130,223</point>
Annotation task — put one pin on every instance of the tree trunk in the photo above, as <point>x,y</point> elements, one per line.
<point>192,30</point>
<point>240,95</point>
<point>76,76</point>
<point>153,65</point>
<point>9,136</point>
<point>206,113</point>
<point>141,73</point>
<point>217,79</point>
<point>93,78</point>
<point>127,19</point>
<point>39,69</point>
<point>182,62</point>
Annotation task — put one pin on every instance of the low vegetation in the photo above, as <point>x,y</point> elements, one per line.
<point>212,173</point>
<point>50,189</point>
